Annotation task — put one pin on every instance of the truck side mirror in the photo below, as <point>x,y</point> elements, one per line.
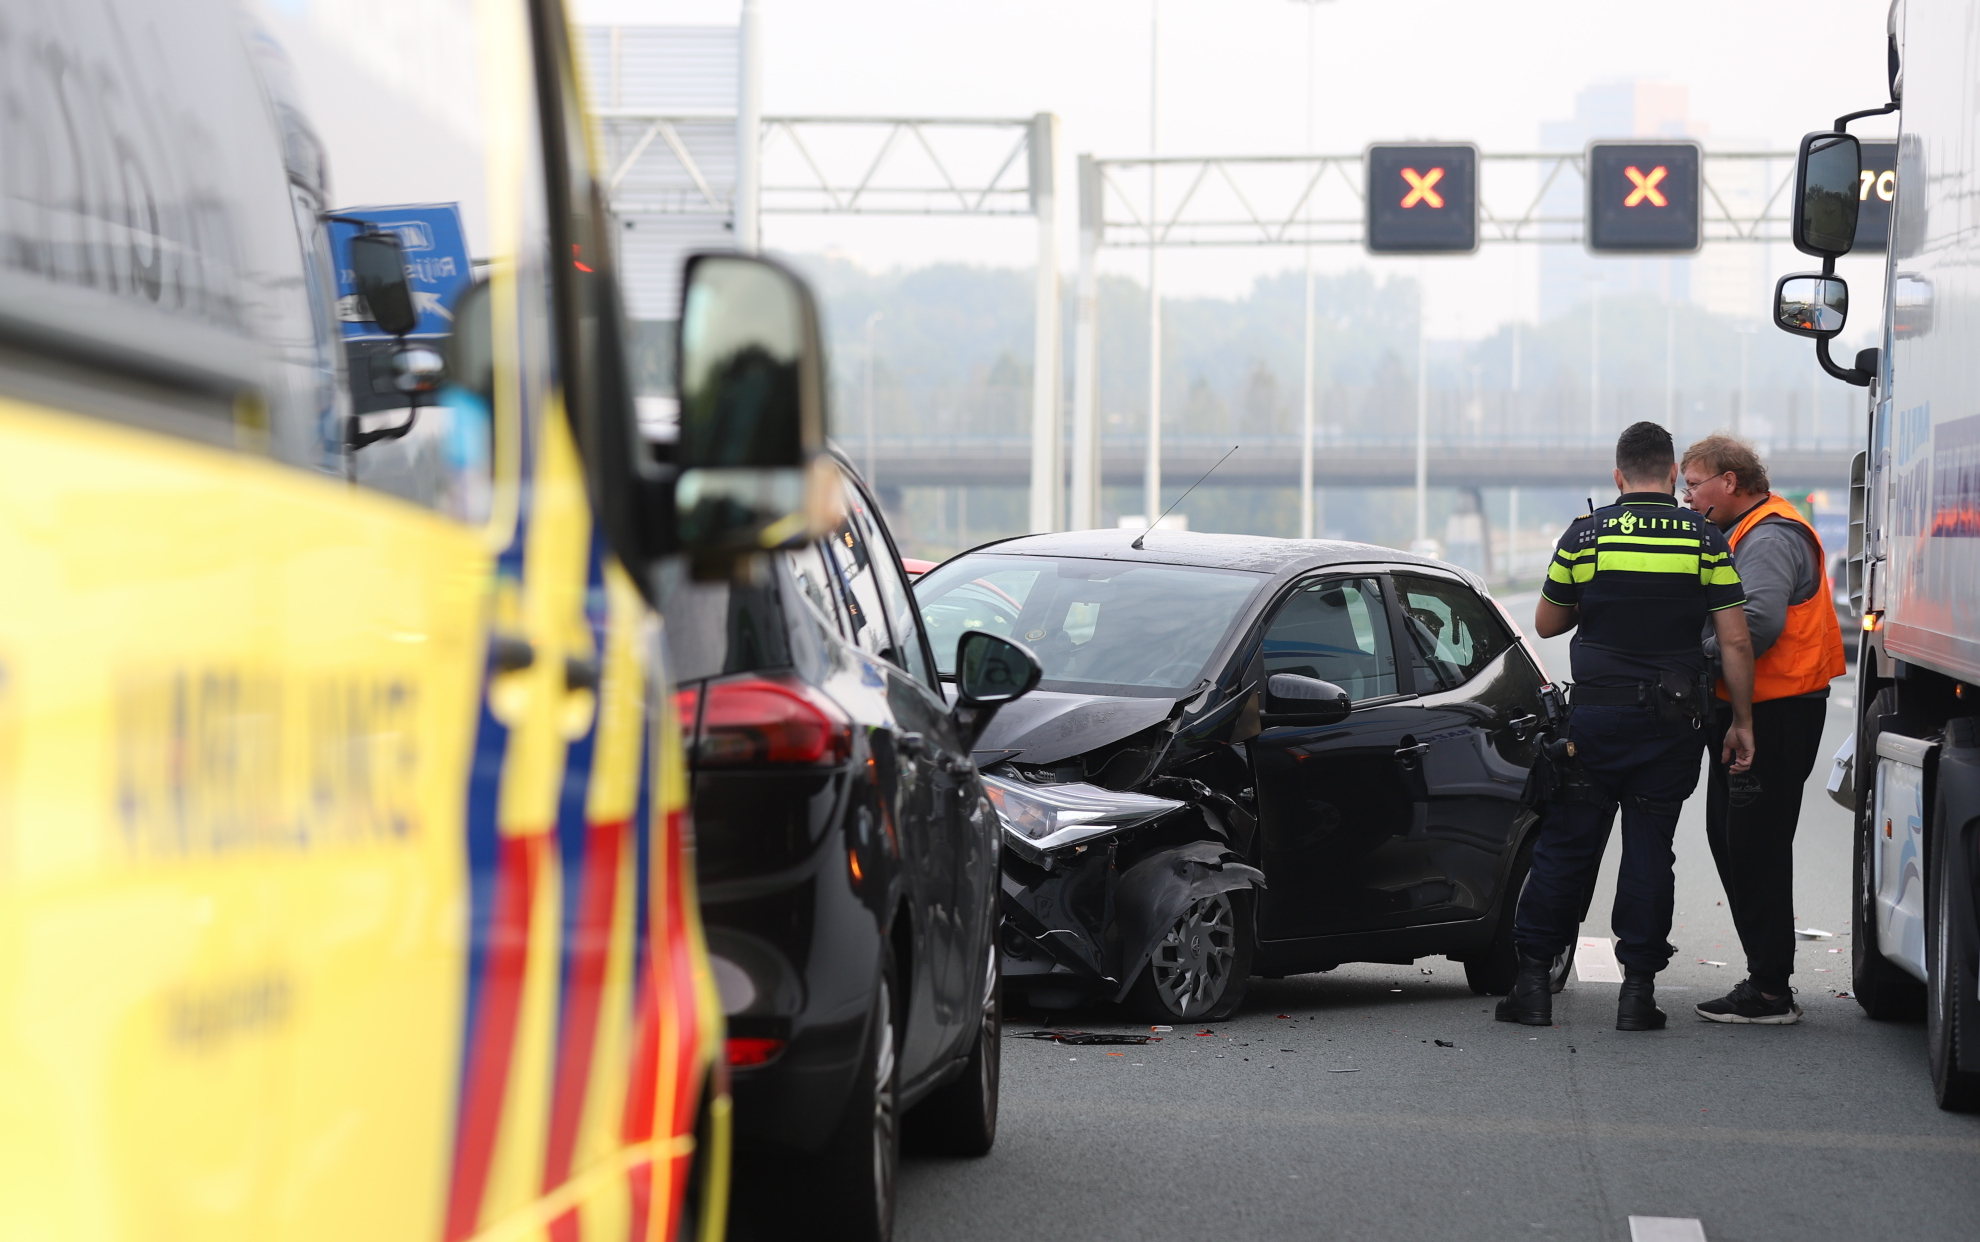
<point>752,474</point>
<point>1827,180</point>
<point>379,264</point>
<point>1808,304</point>
<point>1296,699</point>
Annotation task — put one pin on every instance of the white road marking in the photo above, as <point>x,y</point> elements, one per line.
<point>1595,960</point>
<point>1665,1229</point>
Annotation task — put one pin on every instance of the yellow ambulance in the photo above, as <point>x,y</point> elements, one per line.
<point>346,886</point>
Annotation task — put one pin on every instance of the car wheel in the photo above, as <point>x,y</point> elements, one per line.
<point>960,1119</point>
<point>1199,965</point>
<point>851,1191</point>
<point>1884,991</point>
<point>1950,1002</point>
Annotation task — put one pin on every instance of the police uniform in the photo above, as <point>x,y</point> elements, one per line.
<point>1645,574</point>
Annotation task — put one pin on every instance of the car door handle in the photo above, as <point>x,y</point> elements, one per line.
<point>510,654</point>
<point>1411,750</point>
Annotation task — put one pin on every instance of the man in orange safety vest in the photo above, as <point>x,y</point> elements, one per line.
<point>1750,816</point>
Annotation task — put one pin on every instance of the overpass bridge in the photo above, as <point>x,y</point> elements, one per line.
<point>1273,461</point>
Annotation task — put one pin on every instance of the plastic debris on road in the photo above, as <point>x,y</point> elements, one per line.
<point>1085,1038</point>
<point>1813,933</point>
<point>1161,1028</point>
<point>1706,962</point>
<point>1444,1043</point>
<point>1344,1071</point>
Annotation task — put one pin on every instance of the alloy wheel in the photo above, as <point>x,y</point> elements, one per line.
<point>885,1107</point>
<point>1193,961</point>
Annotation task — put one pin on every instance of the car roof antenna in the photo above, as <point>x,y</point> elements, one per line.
<point>1136,545</point>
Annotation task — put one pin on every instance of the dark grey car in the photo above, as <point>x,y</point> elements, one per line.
<point>1247,755</point>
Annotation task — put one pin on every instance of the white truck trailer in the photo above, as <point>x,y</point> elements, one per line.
<point>1912,774</point>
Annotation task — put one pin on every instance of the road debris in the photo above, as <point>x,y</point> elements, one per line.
<point>1344,1071</point>
<point>1813,933</point>
<point>1441,1043</point>
<point>1086,1038</point>
<point>1706,962</point>
<point>1161,1028</point>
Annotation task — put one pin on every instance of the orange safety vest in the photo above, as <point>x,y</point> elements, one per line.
<point>1809,653</point>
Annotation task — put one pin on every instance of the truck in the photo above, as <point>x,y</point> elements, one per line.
<point>1910,772</point>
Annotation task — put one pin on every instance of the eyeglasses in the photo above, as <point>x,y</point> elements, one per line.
<point>1688,487</point>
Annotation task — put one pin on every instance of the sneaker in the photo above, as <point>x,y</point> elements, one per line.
<point>1745,1004</point>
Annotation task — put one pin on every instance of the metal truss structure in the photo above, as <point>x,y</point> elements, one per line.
<point>1319,200</point>
<point>684,164</point>
<point>1160,202</point>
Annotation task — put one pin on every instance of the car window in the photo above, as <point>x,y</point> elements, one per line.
<point>901,620</point>
<point>1452,633</point>
<point>811,570</point>
<point>858,590</point>
<point>1096,626</point>
<point>1335,629</point>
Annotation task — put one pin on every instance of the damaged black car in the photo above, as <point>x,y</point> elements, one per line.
<point>1247,757</point>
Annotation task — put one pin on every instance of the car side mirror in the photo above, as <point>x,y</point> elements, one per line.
<point>752,471</point>
<point>990,672</point>
<point>1295,699</point>
<point>1827,176</point>
<point>1808,304</point>
<point>378,264</point>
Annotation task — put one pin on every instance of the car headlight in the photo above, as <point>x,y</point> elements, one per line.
<point>1050,817</point>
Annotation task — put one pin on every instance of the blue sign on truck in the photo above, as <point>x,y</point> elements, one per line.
<point>437,264</point>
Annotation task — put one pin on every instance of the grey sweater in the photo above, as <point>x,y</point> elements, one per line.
<point>1779,566</point>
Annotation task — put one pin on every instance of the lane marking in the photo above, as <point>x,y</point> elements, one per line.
<point>1595,961</point>
<point>1665,1229</point>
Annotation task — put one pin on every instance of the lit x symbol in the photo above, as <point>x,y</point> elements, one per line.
<point>1419,187</point>
<point>1646,187</point>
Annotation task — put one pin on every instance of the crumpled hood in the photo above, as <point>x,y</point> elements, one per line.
<point>1047,726</point>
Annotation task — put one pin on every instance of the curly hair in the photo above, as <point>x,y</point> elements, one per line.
<point>1721,452</point>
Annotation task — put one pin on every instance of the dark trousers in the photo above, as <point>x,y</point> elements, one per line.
<point>1750,819</point>
<point>1630,758</point>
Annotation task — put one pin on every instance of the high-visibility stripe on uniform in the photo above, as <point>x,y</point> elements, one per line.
<point>1685,563</point>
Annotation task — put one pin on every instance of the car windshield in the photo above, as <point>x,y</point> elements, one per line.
<point>1098,627</point>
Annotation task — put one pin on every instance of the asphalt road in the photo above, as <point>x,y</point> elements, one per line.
<point>1823,1130</point>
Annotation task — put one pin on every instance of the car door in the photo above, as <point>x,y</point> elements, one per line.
<point>927,847</point>
<point>1337,802</point>
<point>1472,684</point>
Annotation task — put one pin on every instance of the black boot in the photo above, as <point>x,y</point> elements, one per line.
<point>1636,1004</point>
<point>1531,1001</point>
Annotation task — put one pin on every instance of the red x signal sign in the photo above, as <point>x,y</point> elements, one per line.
<point>1421,187</point>
<point>1633,211</point>
<point>1646,186</point>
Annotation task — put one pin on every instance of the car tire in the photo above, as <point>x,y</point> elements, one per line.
<point>1950,1009</point>
<point>1885,992</point>
<point>849,1193</point>
<point>1198,970</point>
<point>960,1118</point>
<point>1492,972</point>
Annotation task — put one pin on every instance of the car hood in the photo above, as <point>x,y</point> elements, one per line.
<point>1047,726</point>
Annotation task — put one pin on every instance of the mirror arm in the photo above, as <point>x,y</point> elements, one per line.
<point>1848,376</point>
<point>972,719</point>
<point>1842,122</point>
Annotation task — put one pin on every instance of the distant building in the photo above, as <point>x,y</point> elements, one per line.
<point>1724,278</point>
<point>1568,273</point>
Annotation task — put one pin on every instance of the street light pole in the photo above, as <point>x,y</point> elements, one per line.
<point>1306,388</point>
<point>749,134</point>
<point>1151,475</point>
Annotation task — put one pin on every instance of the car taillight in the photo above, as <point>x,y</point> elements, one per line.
<point>745,1051</point>
<point>759,720</point>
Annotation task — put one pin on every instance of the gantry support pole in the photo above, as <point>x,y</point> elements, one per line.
<point>1084,513</point>
<point>1047,374</point>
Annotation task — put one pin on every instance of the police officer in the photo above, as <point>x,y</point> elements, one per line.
<point>1637,580</point>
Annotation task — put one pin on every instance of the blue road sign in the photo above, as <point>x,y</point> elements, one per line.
<point>437,264</point>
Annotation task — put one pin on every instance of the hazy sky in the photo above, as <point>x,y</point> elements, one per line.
<point>1233,80</point>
